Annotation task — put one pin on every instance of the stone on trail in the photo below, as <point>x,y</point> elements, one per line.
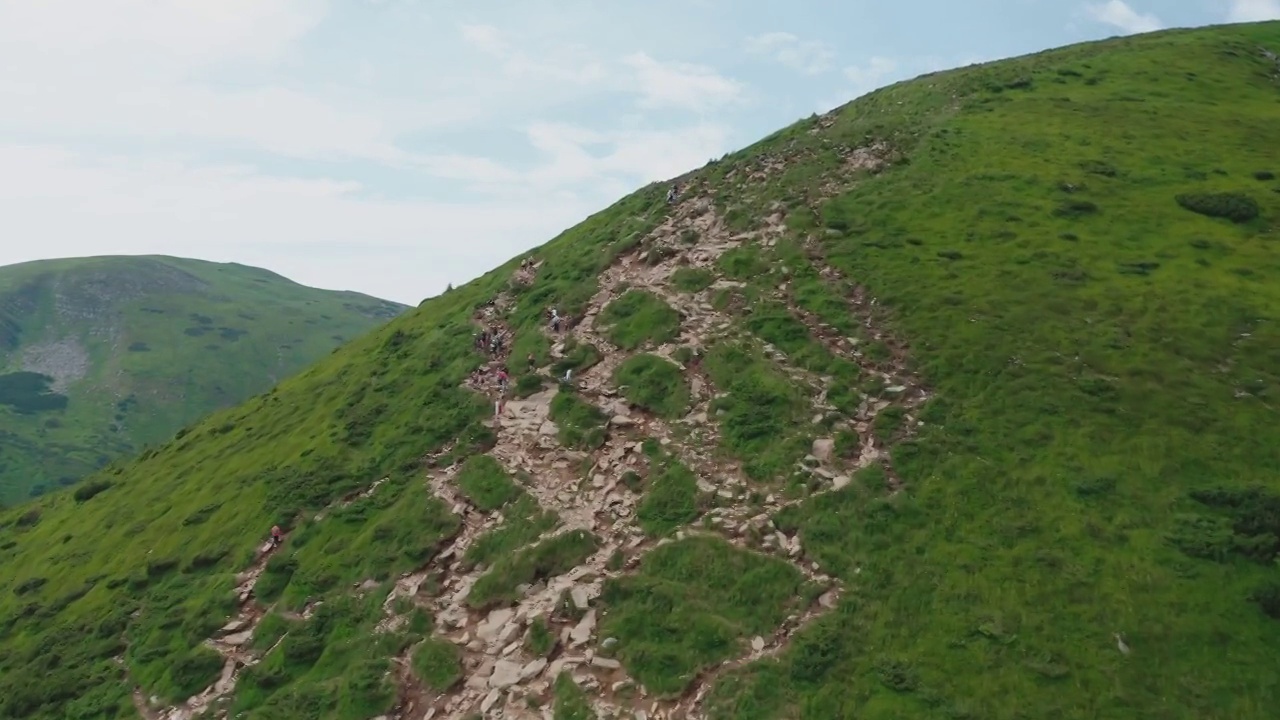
<point>823,448</point>
<point>505,674</point>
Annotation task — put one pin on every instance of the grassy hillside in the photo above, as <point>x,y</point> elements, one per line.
<point>923,408</point>
<point>133,348</point>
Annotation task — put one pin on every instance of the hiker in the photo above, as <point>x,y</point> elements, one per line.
<point>503,379</point>
<point>555,320</point>
<point>533,363</point>
<point>277,536</point>
<point>671,194</point>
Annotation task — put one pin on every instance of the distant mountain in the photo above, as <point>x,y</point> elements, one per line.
<point>100,356</point>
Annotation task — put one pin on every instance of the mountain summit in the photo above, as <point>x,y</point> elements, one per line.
<point>101,356</point>
<point>953,402</point>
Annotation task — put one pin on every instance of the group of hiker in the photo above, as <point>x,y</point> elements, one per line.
<point>490,340</point>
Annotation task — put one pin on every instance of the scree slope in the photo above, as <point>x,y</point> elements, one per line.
<point>955,402</point>
<point>102,356</point>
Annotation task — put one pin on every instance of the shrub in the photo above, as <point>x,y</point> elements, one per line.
<point>29,586</point>
<point>1236,207</point>
<point>28,392</point>
<point>1097,167</point>
<point>1268,599</point>
<point>1075,208</point>
<point>90,489</point>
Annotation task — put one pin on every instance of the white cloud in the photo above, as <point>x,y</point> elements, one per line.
<point>164,38</point>
<point>486,38</point>
<point>1253,10</point>
<point>318,231</point>
<point>1118,14</point>
<point>681,85</point>
<point>871,75</point>
<point>566,64</point>
<point>179,127</point>
<point>577,156</point>
<point>811,57</point>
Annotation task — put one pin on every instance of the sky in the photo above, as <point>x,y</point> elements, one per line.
<point>394,147</point>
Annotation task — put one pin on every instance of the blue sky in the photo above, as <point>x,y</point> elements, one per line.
<point>396,146</point>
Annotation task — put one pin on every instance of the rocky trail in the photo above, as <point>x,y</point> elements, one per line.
<point>499,672</point>
<point>586,491</point>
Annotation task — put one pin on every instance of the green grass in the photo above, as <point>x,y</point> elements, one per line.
<point>163,341</point>
<point>578,356</point>
<point>639,318</point>
<point>334,664</point>
<point>654,384</point>
<point>523,523</point>
<point>398,528</point>
<point>484,481</point>
<point>570,700</point>
<point>581,424</point>
<point>539,641</point>
<point>670,498</point>
<point>553,556</point>
<point>1086,372</point>
<point>764,413</point>
<point>692,280</point>
<point>437,663</point>
<point>1098,454</point>
<point>693,603</point>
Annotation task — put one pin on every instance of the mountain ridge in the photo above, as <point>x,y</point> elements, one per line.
<point>83,332</point>
<point>952,402</point>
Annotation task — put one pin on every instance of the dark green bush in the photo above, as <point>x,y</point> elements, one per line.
<point>1268,599</point>
<point>1236,207</point>
<point>88,490</point>
<point>28,392</point>
<point>1075,209</point>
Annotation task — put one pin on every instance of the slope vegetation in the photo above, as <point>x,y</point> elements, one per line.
<point>954,402</point>
<point>102,356</point>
